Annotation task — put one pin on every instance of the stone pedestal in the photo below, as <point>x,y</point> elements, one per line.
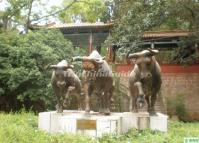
<point>95,124</point>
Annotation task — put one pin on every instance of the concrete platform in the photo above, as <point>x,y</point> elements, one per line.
<point>95,124</point>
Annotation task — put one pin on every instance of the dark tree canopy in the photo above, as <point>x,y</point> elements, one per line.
<point>24,66</point>
<point>133,17</point>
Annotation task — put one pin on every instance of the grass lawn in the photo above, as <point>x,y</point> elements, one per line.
<point>22,128</point>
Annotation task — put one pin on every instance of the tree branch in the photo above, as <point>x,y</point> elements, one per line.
<point>59,11</point>
<point>28,16</point>
<point>10,15</point>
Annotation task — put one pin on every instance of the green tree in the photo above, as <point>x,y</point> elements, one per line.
<point>181,15</point>
<point>86,11</point>
<point>132,18</point>
<point>24,66</point>
<point>11,13</point>
<point>21,13</point>
<point>17,13</point>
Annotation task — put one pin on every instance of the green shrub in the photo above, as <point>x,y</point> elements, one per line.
<point>24,67</point>
<point>176,106</point>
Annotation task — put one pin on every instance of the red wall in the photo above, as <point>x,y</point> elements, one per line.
<point>166,68</point>
<point>177,80</point>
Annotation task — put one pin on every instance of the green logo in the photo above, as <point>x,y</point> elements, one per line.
<point>191,140</point>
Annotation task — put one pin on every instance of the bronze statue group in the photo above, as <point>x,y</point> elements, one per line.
<point>144,82</point>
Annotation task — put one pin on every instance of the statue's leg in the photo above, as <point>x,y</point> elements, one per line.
<point>153,100</point>
<point>138,85</point>
<point>66,99</point>
<point>59,105</point>
<point>72,91</point>
<point>87,103</point>
<point>88,92</point>
<point>103,103</point>
<point>78,102</point>
<point>130,101</point>
<point>112,106</point>
<point>140,98</point>
<point>134,100</point>
<point>81,98</point>
<point>87,100</point>
<point>99,99</point>
<point>107,103</point>
<point>148,103</point>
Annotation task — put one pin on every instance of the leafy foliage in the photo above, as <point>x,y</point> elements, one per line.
<point>177,131</point>
<point>181,15</point>
<point>176,106</point>
<point>25,61</point>
<point>86,11</point>
<point>133,17</point>
<point>13,14</point>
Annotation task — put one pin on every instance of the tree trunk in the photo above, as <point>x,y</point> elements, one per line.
<point>28,22</point>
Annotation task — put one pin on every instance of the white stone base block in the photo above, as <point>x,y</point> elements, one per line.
<point>159,122</point>
<point>95,124</point>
